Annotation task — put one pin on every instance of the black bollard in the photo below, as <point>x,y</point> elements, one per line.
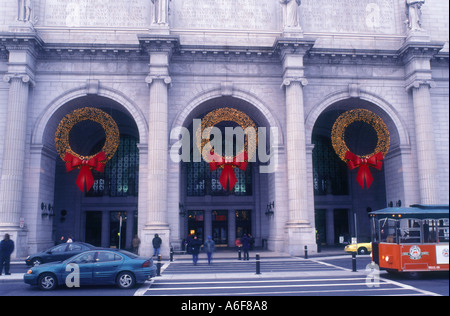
<point>158,266</point>
<point>258,264</point>
<point>171,253</point>
<point>306,252</point>
<point>354,262</point>
<point>239,254</point>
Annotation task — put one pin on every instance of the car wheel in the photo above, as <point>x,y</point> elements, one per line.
<point>362,251</point>
<point>36,261</point>
<point>47,282</point>
<point>126,280</point>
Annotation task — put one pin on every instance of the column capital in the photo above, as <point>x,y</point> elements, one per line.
<point>23,77</point>
<point>289,81</point>
<point>164,78</point>
<point>417,83</point>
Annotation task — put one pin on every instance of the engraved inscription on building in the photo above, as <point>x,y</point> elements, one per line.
<point>225,14</point>
<point>350,16</point>
<point>97,13</point>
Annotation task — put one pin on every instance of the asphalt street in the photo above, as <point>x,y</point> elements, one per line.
<point>282,276</point>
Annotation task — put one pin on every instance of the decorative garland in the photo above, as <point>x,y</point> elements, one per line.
<point>354,161</point>
<point>74,160</point>
<point>226,163</point>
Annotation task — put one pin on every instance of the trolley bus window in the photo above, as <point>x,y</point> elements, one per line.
<point>410,231</point>
<point>443,230</point>
<point>388,230</point>
<point>429,231</point>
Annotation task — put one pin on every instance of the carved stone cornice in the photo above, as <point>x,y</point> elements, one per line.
<point>411,50</point>
<point>22,41</point>
<point>297,46</point>
<point>158,43</point>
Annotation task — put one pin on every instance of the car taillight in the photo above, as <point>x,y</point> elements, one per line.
<point>146,264</point>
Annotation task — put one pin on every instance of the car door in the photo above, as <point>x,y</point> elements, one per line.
<point>79,270</point>
<point>106,266</point>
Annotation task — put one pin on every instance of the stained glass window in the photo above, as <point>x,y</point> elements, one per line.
<point>121,175</point>
<point>330,172</point>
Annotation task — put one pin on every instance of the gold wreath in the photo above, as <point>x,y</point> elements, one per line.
<point>344,120</point>
<point>83,114</point>
<point>220,115</point>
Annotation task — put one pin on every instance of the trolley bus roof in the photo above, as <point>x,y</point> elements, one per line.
<point>414,211</point>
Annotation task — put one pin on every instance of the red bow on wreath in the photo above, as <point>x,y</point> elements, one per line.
<point>85,176</point>
<point>354,161</point>
<point>240,161</point>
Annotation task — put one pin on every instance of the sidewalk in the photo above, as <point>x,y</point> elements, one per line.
<point>232,253</point>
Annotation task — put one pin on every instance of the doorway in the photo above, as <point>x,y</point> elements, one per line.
<point>220,227</point>
<point>243,222</point>
<point>93,234</point>
<point>196,225</point>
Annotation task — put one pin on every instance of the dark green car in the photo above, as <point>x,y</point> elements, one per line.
<point>93,267</point>
<point>58,253</point>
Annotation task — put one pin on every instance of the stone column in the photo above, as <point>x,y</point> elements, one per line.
<point>298,227</point>
<point>417,56</point>
<point>12,176</point>
<point>11,183</point>
<point>426,152</point>
<point>156,222</point>
<point>159,48</point>
<point>296,152</point>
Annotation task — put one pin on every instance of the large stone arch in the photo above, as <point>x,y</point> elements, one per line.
<point>385,110</point>
<point>264,112</point>
<point>56,104</point>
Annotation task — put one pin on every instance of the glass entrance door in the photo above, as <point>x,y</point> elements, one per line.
<point>243,222</point>
<point>220,227</point>
<point>196,224</point>
<point>93,234</point>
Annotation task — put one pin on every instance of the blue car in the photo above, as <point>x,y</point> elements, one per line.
<point>99,266</point>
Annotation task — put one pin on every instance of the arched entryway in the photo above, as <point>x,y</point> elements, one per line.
<point>106,215</point>
<point>205,207</point>
<point>341,204</point>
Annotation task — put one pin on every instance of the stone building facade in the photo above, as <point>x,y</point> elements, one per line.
<point>156,65</point>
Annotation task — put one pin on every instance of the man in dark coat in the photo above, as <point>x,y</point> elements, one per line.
<point>195,249</point>
<point>6,249</point>
<point>156,245</point>
<point>245,246</point>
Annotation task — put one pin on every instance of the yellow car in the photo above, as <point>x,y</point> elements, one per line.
<point>361,248</point>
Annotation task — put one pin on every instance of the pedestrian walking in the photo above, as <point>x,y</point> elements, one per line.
<point>61,240</point>
<point>6,249</point>
<point>252,241</point>
<point>195,249</point>
<point>156,245</point>
<point>210,247</point>
<point>135,243</point>
<point>245,240</point>
<point>69,240</point>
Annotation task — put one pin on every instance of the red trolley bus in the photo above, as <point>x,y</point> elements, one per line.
<point>411,239</point>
